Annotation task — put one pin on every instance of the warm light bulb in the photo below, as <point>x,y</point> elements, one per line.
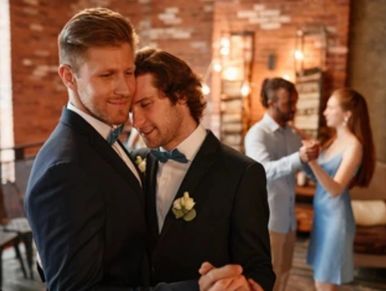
<point>287,77</point>
<point>225,42</point>
<point>298,55</point>
<point>217,67</point>
<point>225,45</point>
<point>231,74</point>
<point>205,89</point>
<point>224,51</point>
<point>245,89</point>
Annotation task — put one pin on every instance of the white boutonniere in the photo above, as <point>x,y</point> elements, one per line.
<point>141,164</point>
<point>183,207</point>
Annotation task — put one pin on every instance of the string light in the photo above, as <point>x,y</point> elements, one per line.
<point>298,55</point>
<point>217,67</point>
<point>225,45</point>
<point>245,89</point>
<point>205,89</point>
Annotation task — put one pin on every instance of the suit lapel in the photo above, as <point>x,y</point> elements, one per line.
<point>205,158</point>
<point>132,159</point>
<point>98,143</point>
<point>150,190</point>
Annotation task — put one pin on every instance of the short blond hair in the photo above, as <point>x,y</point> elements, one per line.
<point>93,27</point>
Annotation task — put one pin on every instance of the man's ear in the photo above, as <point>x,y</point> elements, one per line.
<point>68,76</point>
<point>271,101</point>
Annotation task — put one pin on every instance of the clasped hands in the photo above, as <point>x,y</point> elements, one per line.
<point>226,278</point>
<point>309,151</point>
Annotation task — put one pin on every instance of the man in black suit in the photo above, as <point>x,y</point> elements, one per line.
<point>206,202</point>
<point>84,199</point>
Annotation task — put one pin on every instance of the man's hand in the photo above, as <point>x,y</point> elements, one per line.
<point>226,278</point>
<point>309,151</point>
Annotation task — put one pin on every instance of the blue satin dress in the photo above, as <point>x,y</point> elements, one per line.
<point>330,251</point>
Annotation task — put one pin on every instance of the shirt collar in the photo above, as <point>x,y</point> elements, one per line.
<point>102,128</point>
<point>190,146</point>
<point>271,123</point>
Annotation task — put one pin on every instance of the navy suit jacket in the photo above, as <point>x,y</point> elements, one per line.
<point>231,223</point>
<point>87,212</point>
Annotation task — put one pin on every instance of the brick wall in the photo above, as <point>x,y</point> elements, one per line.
<point>275,25</point>
<point>189,29</point>
<point>181,27</point>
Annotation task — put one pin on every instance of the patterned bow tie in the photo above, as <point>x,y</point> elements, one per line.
<point>114,134</point>
<point>175,155</point>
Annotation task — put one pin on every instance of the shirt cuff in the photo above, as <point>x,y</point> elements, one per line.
<point>295,161</point>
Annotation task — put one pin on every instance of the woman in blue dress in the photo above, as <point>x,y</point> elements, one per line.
<point>346,160</point>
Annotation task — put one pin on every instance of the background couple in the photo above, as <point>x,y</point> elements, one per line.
<point>98,222</point>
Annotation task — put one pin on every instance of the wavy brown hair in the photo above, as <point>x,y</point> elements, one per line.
<point>173,77</point>
<point>359,125</point>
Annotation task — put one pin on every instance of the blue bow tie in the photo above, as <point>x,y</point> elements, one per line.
<point>175,155</point>
<point>114,134</point>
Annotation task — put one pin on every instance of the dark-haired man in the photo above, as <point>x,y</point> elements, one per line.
<point>274,144</point>
<point>206,202</point>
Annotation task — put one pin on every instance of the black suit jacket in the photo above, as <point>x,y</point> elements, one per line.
<point>87,213</point>
<point>231,223</point>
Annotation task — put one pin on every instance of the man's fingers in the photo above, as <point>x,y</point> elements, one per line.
<point>205,268</point>
<point>237,283</point>
<point>254,286</point>
<point>216,274</point>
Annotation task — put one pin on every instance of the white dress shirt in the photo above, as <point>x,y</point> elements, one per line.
<point>104,130</point>
<point>171,174</point>
<point>277,149</point>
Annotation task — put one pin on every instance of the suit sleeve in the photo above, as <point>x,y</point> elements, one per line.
<point>249,238</point>
<point>66,211</point>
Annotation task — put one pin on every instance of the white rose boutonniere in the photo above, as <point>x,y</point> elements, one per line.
<point>183,207</point>
<point>141,164</point>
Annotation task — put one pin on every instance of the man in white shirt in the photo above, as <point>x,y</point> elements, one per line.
<point>206,202</point>
<point>272,142</point>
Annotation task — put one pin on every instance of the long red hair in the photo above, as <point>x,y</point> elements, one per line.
<point>359,125</point>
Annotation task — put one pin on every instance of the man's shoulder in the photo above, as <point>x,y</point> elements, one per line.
<point>64,146</point>
<point>235,158</point>
<point>260,128</point>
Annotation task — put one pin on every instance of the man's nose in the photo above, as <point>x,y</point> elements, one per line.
<point>123,86</point>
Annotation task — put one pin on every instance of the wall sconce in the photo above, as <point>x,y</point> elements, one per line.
<point>271,64</point>
<point>310,49</point>
<point>299,53</point>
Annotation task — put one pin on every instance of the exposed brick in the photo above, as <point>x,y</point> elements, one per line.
<point>189,29</point>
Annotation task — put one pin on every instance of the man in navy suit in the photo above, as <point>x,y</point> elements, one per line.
<point>84,199</point>
<point>205,201</point>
